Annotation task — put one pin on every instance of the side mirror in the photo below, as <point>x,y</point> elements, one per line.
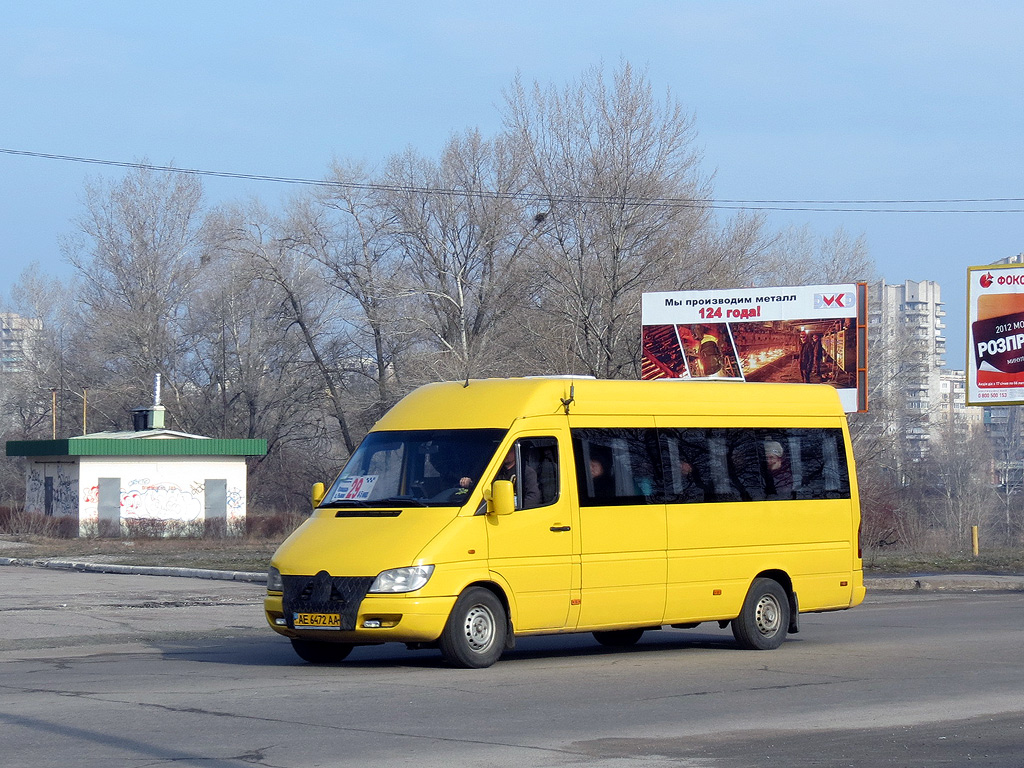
<point>318,494</point>
<point>501,498</point>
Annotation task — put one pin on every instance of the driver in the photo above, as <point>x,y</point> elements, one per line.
<point>529,495</point>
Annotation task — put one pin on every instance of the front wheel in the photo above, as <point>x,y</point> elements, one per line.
<point>764,618</point>
<point>316,652</point>
<point>474,636</point>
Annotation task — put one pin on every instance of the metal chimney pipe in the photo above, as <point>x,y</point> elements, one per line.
<point>156,389</point>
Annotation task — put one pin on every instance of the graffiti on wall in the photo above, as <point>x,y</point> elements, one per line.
<point>161,501</point>
<point>35,494</point>
<point>143,498</point>
<point>51,489</point>
<point>236,503</point>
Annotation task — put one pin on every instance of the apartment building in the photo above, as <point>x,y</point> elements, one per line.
<point>953,412</point>
<point>17,335</point>
<point>907,350</point>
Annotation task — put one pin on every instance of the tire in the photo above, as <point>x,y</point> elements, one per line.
<point>474,636</point>
<point>619,638</point>
<point>764,618</point>
<point>316,652</point>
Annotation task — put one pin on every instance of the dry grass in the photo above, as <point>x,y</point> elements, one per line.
<point>25,536</point>
<point>1005,561</point>
<point>229,554</point>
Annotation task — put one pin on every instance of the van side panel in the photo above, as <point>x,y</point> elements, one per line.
<point>623,566</point>
<point>805,529</point>
<point>721,547</point>
<point>622,547</point>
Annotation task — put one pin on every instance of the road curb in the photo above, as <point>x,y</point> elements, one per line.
<point>137,570</point>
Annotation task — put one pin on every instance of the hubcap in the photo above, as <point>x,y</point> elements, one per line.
<point>767,615</point>
<point>479,628</point>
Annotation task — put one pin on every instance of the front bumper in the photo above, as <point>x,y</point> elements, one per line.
<point>401,619</point>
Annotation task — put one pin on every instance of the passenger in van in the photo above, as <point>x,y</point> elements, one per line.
<point>782,477</point>
<point>603,485</point>
<point>690,488</point>
<point>528,495</point>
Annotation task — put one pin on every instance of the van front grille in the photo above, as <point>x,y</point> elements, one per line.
<point>324,593</point>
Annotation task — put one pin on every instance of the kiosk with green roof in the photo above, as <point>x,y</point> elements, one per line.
<point>150,480</point>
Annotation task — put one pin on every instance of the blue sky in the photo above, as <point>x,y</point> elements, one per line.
<point>792,100</point>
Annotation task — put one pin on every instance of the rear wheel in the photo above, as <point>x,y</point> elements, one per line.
<point>316,652</point>
<point>619,638</point>
<point>764,619</point>
<point>474,636</point>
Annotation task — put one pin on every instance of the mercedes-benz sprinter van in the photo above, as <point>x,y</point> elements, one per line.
<point>477,512</point>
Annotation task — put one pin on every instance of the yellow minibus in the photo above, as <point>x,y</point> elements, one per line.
<point>477,512</point>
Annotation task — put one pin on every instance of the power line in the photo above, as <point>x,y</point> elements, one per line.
<point>810,206</point>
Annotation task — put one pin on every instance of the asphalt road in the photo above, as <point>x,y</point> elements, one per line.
<point>149,671</point>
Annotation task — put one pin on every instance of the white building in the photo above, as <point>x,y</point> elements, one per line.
<point>17,335</point>
<point>907,349</point>
<point>149,481</point>
<point>953,413</point>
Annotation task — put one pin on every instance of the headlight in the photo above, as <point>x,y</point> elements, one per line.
<point>402,579</point>
<point>274,581</point>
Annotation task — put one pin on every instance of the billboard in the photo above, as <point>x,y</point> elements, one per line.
<point>814,334</point>
<point>995,335</point>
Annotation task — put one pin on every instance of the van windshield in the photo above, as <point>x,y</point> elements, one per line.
<point>428,468</point>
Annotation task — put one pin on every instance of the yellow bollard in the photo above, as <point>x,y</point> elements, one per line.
<point>974,539</point>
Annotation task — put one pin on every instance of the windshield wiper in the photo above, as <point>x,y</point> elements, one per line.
<point>404,500</point>
<point>344,503</point>
<point>390,501</point>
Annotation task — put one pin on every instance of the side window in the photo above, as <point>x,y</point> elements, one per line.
<point>805,464</point>
<point>721,488</point>
<point>713,464</point>
<point>746,464</point>
<point>616,466</point>
<point>826,474</point>
<point>734,466</point>
<point>687,466</point>
<point>532,466</point>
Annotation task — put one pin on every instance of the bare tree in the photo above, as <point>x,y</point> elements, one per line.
<point>34,382</point>
<point>248,375</point>
<point>797,256</point>
<point>28,389</point>
<point>348,229</point>
<point>1007,436</point>
<point>464,233</point>
<point>621,208</point>
<point>140,248</point>
<point>300,300</point>
<point>958,474</point>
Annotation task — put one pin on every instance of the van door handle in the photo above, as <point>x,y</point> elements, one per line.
<point>561,528</point>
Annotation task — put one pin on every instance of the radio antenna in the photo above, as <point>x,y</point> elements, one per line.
<point>567,403</point>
